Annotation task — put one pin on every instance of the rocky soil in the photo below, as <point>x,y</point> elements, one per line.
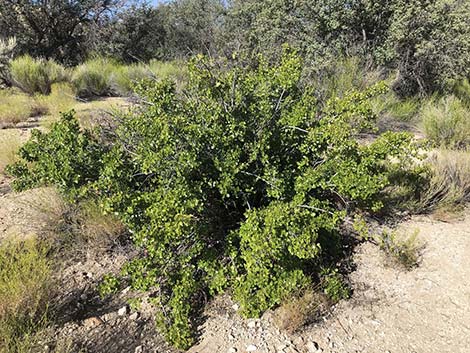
<point>425,310</point>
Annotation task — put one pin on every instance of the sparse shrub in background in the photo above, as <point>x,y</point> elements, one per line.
<point>94,77</point>
<point>446,121</point>
<point>25,285</point>
<point>300,310</point>
<point>10,144</point>
<point>240,182</point>
<point>36,75</point>
<point>403,250</point>
<point>448,184</point>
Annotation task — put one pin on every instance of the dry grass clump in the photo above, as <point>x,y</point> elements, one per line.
<point>98,230</point>
<point>10,143</point>
<point>449,181</point>
<point>403,250</point>
<point>25,285</point>
<point>447,121</point>
<point>17,107</point>
<point>36,75</point>
<point>300,310</point>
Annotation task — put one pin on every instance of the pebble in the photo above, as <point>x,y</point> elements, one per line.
<point>92,322</point>
<point>231,337</point>
<point>251,348</point>
<point>251,324</point>
<point>138,349</point>
<point>311,346</point>
<point>235,307</point>
<point>122,311</point>
<point>134,316</point>
<point>232,350</point>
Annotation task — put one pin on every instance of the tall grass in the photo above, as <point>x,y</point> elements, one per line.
<point>94,77</point>
<point>10,143</point>
<point>347,74</point>
<point>124,78</point>
<point>25,284</point>
<point>17,107</point>
<point>36,75</point>
<point>446,121</point>
<point>449,180</point>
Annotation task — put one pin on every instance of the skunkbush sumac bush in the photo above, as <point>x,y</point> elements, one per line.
<point>241,181</point>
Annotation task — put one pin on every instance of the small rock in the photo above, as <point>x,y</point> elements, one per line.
<point>251,324</point>
<point>83,296</point>
<point>125,290</point>
<point>92,322</point>
<point>332,345</point>
<point>134,316</point>
<point>89,275</point>
<point>231,337</point>
<point>251,348</point>
<point>122,311</point>
<point>311,346</point>
<point>235,307</point>
<point>232,350</point>
<point>138,349</point>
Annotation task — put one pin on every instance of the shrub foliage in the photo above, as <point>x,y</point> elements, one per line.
<point>242,181</point>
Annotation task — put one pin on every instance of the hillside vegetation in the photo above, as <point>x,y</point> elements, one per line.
<point>253,142</point>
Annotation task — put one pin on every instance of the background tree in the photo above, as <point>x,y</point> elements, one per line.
<point>137,33</point>
<point>56,29</point>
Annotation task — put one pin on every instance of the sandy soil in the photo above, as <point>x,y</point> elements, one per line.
<point>425,310</point>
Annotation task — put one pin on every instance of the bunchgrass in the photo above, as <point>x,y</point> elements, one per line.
<point>446,121</point>
<point>34,76</point>
<point>16,107</point>
<point>448,182</point>
<point>93,78</point>
<point>25,285</point>
<point>10,143</point>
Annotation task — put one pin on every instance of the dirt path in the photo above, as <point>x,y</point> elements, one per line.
<point>425,310</point>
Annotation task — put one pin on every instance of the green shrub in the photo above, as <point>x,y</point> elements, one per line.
<point>334,286</point>
<point>25,286</point>
<point>446,121</point>
<point>428,42</point>
<point>36,75</point>
<point>240,182</point>
<point>94,77</point>
<point>65,156</point>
